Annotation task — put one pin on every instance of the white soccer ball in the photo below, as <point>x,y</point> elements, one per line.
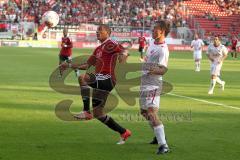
<point>50,18</point>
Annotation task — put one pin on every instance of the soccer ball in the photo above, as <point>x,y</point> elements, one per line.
<point>50,19</point>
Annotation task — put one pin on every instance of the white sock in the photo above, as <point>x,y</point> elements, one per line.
<point>199,64</point>
<point>218,80</point>
<point>213,83</point>
<point>160,135</point>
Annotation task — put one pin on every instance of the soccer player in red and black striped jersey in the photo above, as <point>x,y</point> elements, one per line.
<point>65,54</point>
<point>104,59</point>
<point>142,43</point>
<point>234,47</point>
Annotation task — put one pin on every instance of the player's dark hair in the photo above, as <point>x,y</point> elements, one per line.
<point>217,36</point>
<point>164,25</point>
<point>107,28</point>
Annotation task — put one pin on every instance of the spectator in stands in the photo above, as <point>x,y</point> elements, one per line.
<point>217,25</point>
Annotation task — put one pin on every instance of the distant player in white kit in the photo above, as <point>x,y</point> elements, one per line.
<point>216,54</point>
<point>154,67</point>
<point>197,45</point>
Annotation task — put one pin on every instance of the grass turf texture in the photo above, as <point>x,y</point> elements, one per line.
<point>29,128</point>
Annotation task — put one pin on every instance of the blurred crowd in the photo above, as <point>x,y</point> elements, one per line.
<point>115,12</point>
<point>230,6</point>
<point>135,13</point>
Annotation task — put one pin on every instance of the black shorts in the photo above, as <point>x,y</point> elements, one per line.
<point>101,90</point>
<point>140,49</point>
<point>65,59</point>
<point>234,48</point>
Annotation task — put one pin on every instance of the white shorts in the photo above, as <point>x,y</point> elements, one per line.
<point>197,54</point>
<point>216,69</point>
<point>149,98</point>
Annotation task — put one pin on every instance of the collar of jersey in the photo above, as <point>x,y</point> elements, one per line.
<point>105,40</point>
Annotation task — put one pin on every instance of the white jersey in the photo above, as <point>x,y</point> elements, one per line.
<point>151,85</point>
<point>197,45</point>
<point>157,55</point>
<point>217,53</point>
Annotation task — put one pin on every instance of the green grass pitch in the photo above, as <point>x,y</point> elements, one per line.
<point>198,126</point>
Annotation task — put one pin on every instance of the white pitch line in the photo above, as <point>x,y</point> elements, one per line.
<point>204,101</point>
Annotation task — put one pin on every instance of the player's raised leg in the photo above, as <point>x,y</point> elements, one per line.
<point>84,80</point>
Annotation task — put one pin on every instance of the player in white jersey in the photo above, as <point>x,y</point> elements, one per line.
<point>197,45</point>
<point>154,67</point>
<point>216,54</point>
